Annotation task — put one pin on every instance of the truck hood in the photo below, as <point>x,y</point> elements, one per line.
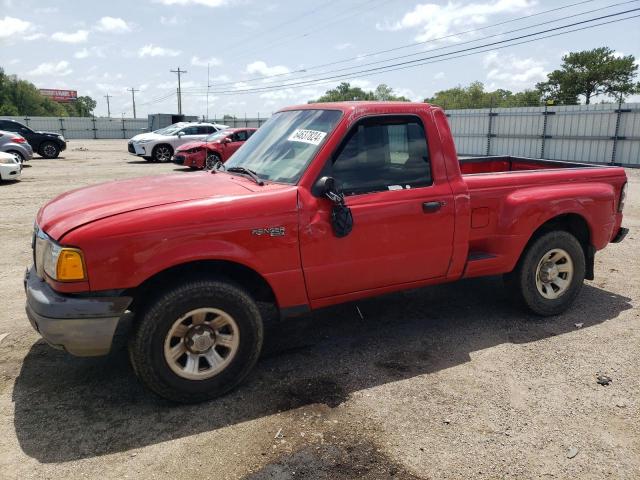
<point>79,207</point>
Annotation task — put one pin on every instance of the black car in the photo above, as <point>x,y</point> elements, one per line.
<point>46,144</point>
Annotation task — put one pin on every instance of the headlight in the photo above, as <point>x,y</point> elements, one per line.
<point>143,141</point>
<point>10,161</point>
<point>63,264</point>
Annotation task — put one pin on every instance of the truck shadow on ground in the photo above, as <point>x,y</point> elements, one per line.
<point>70,408</point>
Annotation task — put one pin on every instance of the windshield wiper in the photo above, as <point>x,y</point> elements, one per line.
<point>246,171</point>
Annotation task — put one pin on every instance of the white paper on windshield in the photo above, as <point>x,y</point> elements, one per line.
<point>314,137</point>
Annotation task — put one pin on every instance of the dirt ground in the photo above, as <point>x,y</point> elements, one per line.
<point>445,382</point>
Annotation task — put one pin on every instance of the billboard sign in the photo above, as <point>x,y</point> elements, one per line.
<point>60,95</point>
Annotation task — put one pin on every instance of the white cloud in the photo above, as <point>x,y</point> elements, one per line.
<point>52,69</point>
<point>206,3</point>
<point>439,76</point>
<point>112,25</point>
<point>435,21</point>
<point>203,62</point>
<point>509,71</point>
<point>90,52</point>
<point>170,21</point>
<point>34,36</point>
<point>46,10</point>
<point>343,46</point>
<point>76,37</point>
<point>84,53</point>
<point>10,26</point>
<point>262,68</point>
<point>151,50</point>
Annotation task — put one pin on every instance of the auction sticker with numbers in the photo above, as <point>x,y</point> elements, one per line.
<point>314,137</point>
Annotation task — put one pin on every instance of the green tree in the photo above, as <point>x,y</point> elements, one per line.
<point>19,97</point>
<point>591,73</point>
<point>385,93</point>
<point>475,96</point>
<point>82,107</point>
<point>346,93</point>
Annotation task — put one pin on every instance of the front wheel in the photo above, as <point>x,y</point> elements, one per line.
<point>162,153</point>
<point>18,155</point>
<point>49,150</point>
<point>212,160</point>
<point>197,341</point>
<point>550,274</point>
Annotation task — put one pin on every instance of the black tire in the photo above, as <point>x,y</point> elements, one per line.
<point>522,281</point>
<point>146,346</point>
<point>211,160</point>
<point>162,153</point>
<point>49,150</point>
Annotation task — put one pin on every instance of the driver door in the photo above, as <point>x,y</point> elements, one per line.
<point>403,215</point>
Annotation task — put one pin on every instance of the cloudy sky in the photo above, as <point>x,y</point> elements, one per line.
<point>263,55</point>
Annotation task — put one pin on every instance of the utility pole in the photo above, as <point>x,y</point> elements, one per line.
<point>179,72</point>
<point>107,96</point>
<point>133,98</point>
<point>208,85</point>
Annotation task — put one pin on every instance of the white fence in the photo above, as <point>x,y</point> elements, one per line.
<point>602,133</point>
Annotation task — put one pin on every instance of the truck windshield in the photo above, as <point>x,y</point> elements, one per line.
<point>283,147</point>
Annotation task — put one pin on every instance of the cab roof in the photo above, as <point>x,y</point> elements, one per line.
<point>365,107</point>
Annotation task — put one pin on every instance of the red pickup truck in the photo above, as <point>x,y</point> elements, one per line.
<point>326,203</point>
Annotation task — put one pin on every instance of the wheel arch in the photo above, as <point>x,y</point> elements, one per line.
<point>575,224</point>
<point>257,286</point>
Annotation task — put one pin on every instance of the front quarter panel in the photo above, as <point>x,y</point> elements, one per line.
<point>123,251</point>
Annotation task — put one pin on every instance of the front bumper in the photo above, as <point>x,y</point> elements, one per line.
<point>178,159</point>
<point>137,149</point>
<point>83,326</point>
<point>622,232</point>
<point>10,171</point>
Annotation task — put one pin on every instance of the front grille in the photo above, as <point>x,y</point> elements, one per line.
<point>179,159</point>
<point>130,148</point>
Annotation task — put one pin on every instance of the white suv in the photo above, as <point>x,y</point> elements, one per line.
<point>159,146</point>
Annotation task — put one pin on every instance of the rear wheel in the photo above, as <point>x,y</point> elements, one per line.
<point>162,153</point>
<point>550,274</point>
<point>197,341</point>
<point>49,150</point>
<point>212,160</point>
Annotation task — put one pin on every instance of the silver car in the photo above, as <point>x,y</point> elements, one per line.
<point>17,145</point>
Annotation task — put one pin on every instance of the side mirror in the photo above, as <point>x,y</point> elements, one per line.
<point>226,140</point>
<point>341,216</point>
<point>180,134</point>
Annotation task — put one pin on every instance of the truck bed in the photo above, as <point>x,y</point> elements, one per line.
<point>505,163</point>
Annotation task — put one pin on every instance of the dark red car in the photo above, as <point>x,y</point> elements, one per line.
<point>217,147</point>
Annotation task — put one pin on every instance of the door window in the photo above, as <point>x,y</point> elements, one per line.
<point>383,153</point>
<point>240,136</point>
<point>205,130</point>
<point>190,130</point>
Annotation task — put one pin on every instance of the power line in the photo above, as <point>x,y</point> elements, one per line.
<point>179,72</point>
<point>379,52</point>
<point>414,61</point>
